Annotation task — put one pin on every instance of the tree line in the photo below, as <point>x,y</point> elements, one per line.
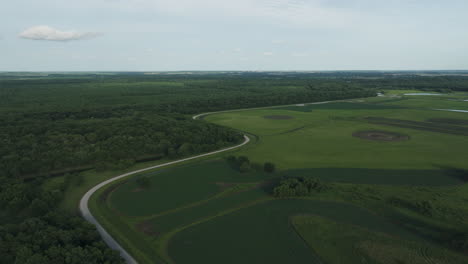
<point>243,165</point>
<point>298,187</point>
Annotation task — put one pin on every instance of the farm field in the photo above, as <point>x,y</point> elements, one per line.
<point>391,173</point>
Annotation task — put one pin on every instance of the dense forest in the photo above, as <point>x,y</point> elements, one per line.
<point>53,124</point>
<point>34,231</point>
<point>57,125</point>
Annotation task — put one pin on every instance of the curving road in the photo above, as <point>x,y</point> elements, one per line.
<point>111,242</point>
<point>86,213</point>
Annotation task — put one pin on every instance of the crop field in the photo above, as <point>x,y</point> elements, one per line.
<point>391,172</point>
<point>268,225</point>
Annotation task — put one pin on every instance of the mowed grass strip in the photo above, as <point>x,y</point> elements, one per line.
<point>441,177</point>
<point>263,233</point>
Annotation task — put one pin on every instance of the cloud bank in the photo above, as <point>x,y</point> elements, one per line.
<point>52,34</point>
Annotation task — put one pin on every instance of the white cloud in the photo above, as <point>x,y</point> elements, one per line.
<point>52,34</point>
<point>267,53</point>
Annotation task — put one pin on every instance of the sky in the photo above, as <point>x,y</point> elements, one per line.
<point>219,35</point>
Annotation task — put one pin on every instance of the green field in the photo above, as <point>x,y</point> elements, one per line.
<point>398,191</point>
<point>263,233</point>
<point>317,138</point>
<point>358,244</point>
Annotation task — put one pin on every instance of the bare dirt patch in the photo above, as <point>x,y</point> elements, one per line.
<point>146,228</point>
<point>378,135</point>
<point>278,117</point>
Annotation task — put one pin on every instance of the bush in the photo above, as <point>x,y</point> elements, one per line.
<point>269,167</point>
<point>422,207</point>
<point>242,159</point>
<point>244,167</point>
<point>241,163</point>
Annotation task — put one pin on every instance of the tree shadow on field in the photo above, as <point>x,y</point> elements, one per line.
<point>427,177</point>
<point>269,185</point>
<point>457,173</point>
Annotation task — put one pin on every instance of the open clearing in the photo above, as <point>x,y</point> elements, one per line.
<point>396,178</point>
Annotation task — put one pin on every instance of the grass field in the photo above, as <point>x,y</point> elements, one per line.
<point>326,131</point>
<point>404,198</point>
<point>358,244</point>
<point>263,233</point>
<point>178,187</point>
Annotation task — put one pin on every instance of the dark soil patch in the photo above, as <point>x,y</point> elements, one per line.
<point>380,135</point>
<point>278,117</point>
<point>146,228</point>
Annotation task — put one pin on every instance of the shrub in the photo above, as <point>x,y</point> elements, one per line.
<point>269,167</point>
<point>244,167</point>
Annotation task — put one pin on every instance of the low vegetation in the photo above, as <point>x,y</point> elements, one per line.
<point>243,164</point>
